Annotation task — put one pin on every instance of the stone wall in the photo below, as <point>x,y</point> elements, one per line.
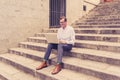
<point>20,19</point>
<point>90,4</point>
<point>74,8</point>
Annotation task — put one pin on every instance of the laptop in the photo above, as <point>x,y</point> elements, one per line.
<point>51,38</point>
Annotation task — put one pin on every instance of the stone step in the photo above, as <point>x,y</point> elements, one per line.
<point>86,54</point>
<point>96,26</point>
<point>33,46</point>
<point>111,10</point>
<point>99,31</point>
<point>8,72</point>
<point>54,30</point>
<point>101,16</point>
<point>98,45</point>
<point>99,23</point>
<point>99,37</point>
<point>101,19</point>
<point>106,9</point>
<point>90,30</point>
<point>82,66</point>
<point>28,65</point>
<point>39,37</point>
<point>106,17</point>
<point>90,67</point>
<point>33,53</point>
<point>101,12</point>
<point>98,13</point>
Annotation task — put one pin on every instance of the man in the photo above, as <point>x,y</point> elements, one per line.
<point>66,38</point>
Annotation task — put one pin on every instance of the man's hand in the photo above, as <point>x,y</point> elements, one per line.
<point>62,41</point>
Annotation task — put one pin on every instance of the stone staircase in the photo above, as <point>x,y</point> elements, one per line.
<point>95,55</point>
<point>102,15</point>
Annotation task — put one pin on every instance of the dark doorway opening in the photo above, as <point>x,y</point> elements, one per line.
<point>57,9</point>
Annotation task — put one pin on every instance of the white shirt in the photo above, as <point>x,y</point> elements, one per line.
<point>66,34</point>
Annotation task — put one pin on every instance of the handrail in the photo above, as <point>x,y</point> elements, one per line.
<point>90,3</point>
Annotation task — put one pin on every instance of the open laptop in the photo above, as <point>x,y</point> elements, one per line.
<point>51,37</point>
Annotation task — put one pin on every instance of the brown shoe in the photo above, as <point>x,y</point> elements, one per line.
<point>42,65</point>
<point>56,69</point>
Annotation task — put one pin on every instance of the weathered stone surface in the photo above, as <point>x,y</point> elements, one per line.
<point>95,55</point>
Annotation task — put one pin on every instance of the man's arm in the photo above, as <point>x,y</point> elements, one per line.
<point>72,34</point>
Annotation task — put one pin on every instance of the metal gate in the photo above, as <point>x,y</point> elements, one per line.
<point>57,9</point>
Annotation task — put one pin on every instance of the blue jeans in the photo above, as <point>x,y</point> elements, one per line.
<point>60,48</point>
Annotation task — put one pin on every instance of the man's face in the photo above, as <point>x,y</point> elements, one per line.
<point>63,24</point>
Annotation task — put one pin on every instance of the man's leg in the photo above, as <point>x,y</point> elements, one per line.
<point>46,56</point>
<point>48,50</point>
<point>61,48</point>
